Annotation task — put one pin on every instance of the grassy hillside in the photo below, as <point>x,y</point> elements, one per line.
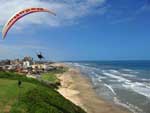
<point>51,76</point>
<point>32,97</point>
<point>9,92</point>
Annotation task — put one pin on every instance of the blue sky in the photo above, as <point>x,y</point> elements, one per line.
<point>82,30</point>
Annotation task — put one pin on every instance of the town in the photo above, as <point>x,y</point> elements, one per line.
<point>27,66</point>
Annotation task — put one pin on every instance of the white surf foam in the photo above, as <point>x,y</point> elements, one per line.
<point>114,71</point>
<point>122,74</point>
<point>110,88</point>
<point>118,78</point>
<point>128,75</point>
<point>102,77</point>
<point>140,88</point>
<point>130,71</point>
<point>130,107</point>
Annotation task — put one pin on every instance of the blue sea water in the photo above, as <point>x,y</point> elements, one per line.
<point>126,83</point>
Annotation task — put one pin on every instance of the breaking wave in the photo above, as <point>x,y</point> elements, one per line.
<point>119,84</point>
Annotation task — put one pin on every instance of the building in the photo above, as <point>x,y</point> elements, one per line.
<point>15,62</point>
<point>5,62</point>
<point>27,62</point>
<point>39,66</point>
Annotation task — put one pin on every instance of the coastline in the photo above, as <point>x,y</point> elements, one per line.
<point>78,89</point>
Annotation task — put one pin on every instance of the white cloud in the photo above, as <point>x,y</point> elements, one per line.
<point>68,11</point>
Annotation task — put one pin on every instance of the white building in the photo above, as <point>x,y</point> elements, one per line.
<point>26,64</point>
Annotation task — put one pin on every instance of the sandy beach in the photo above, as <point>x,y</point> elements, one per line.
<point>78,89</point>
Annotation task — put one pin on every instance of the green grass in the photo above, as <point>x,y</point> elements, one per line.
<point>9,92</point>
<point>15,76</point>
<point>51,76</point>
<point>34,97</point>
<point>43,100</point>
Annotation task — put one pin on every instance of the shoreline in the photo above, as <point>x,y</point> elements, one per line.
<point>78,89</point>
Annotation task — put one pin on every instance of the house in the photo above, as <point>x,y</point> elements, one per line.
<point>27,62</point>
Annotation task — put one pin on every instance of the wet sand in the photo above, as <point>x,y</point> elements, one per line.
<point>78,89</point>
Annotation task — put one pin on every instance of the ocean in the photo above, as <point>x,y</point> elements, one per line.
<point>125,83</point>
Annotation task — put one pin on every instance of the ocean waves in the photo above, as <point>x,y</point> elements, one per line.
<point>141,87</point>
<point>128,87</point>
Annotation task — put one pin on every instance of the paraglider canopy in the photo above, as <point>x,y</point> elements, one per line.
<point>19,15</point>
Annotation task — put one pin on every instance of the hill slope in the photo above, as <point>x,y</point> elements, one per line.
<point>32,97</point>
